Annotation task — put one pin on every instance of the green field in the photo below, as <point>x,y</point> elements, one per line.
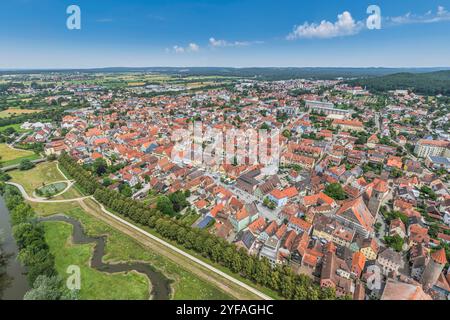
<point>44,173</point>
<point>120,247</point>
<point>94,284</point>
<point>10,156</point>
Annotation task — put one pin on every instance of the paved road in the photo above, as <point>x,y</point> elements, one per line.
<point>378,122</point>
<point>149,235</point>
<point>42,200</point>
<point>16,166</point>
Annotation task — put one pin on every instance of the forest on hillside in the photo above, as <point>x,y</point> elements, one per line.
<point>431,83</point>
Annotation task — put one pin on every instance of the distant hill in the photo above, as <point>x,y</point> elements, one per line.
<point>430,83</point>
<point>258,73</point>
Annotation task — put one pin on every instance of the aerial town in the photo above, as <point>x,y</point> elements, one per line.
<point>355,199</point>
<point>205,159</point>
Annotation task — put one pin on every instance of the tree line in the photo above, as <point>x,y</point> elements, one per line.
<point>34,252</point>
<point>280,278</point>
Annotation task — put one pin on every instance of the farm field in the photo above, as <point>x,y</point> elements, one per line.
<point>10,156</point>
<point>13,111</point>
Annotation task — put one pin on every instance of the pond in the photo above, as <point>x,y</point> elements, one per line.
<point>51,189</point>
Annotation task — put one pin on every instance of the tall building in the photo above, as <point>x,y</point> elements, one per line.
<point>425,148</point>
<point>327,108</point>
<point>379,190</point>
<point>434,268</point>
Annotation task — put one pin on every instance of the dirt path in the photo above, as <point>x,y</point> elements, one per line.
<point>42,200</point>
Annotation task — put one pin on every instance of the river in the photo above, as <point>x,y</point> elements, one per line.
<point>18,284</point>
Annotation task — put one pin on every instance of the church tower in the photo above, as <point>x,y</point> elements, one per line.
<point>433,269</point>
<point>379,190</point>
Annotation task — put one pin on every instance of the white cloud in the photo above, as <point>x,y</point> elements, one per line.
<point>409,18</point>
<point>178,49</point>
<point>223,43</point>
<point>192,47</point>
<point>442,12</point>
<point>344,26</point>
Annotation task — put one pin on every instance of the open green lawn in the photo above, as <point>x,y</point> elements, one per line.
<point>10,156</point>
<point>94,284</point>
<point>71,193</point>
<point>43,173</point>
<point>250,296</point>
<point>48,209</point>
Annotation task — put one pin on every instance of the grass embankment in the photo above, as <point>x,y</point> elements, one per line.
<point>10,156</point>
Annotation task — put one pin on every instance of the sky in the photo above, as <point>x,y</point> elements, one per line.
<point>228,33</point>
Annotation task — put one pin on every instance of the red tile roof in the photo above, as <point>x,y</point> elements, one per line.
<point>439,256</point>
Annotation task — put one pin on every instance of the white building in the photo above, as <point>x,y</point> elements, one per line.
<point>425,148</point>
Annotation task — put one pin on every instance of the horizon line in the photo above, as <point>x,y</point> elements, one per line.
<point>231,67</point>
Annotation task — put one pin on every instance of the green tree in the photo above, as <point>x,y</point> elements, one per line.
<point>21,213</point>
<point>49,288</point>
<point>335,191</point>
<point>100,167</point>
<point>164,205</point>
<point>26,164</point>
<point>178,200</point>
<point>287,133</point>
<point>395,242</point>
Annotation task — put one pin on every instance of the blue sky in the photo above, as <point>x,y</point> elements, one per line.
<point>240,33</point>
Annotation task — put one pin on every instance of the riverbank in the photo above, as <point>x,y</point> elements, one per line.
<point>18,285</point>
